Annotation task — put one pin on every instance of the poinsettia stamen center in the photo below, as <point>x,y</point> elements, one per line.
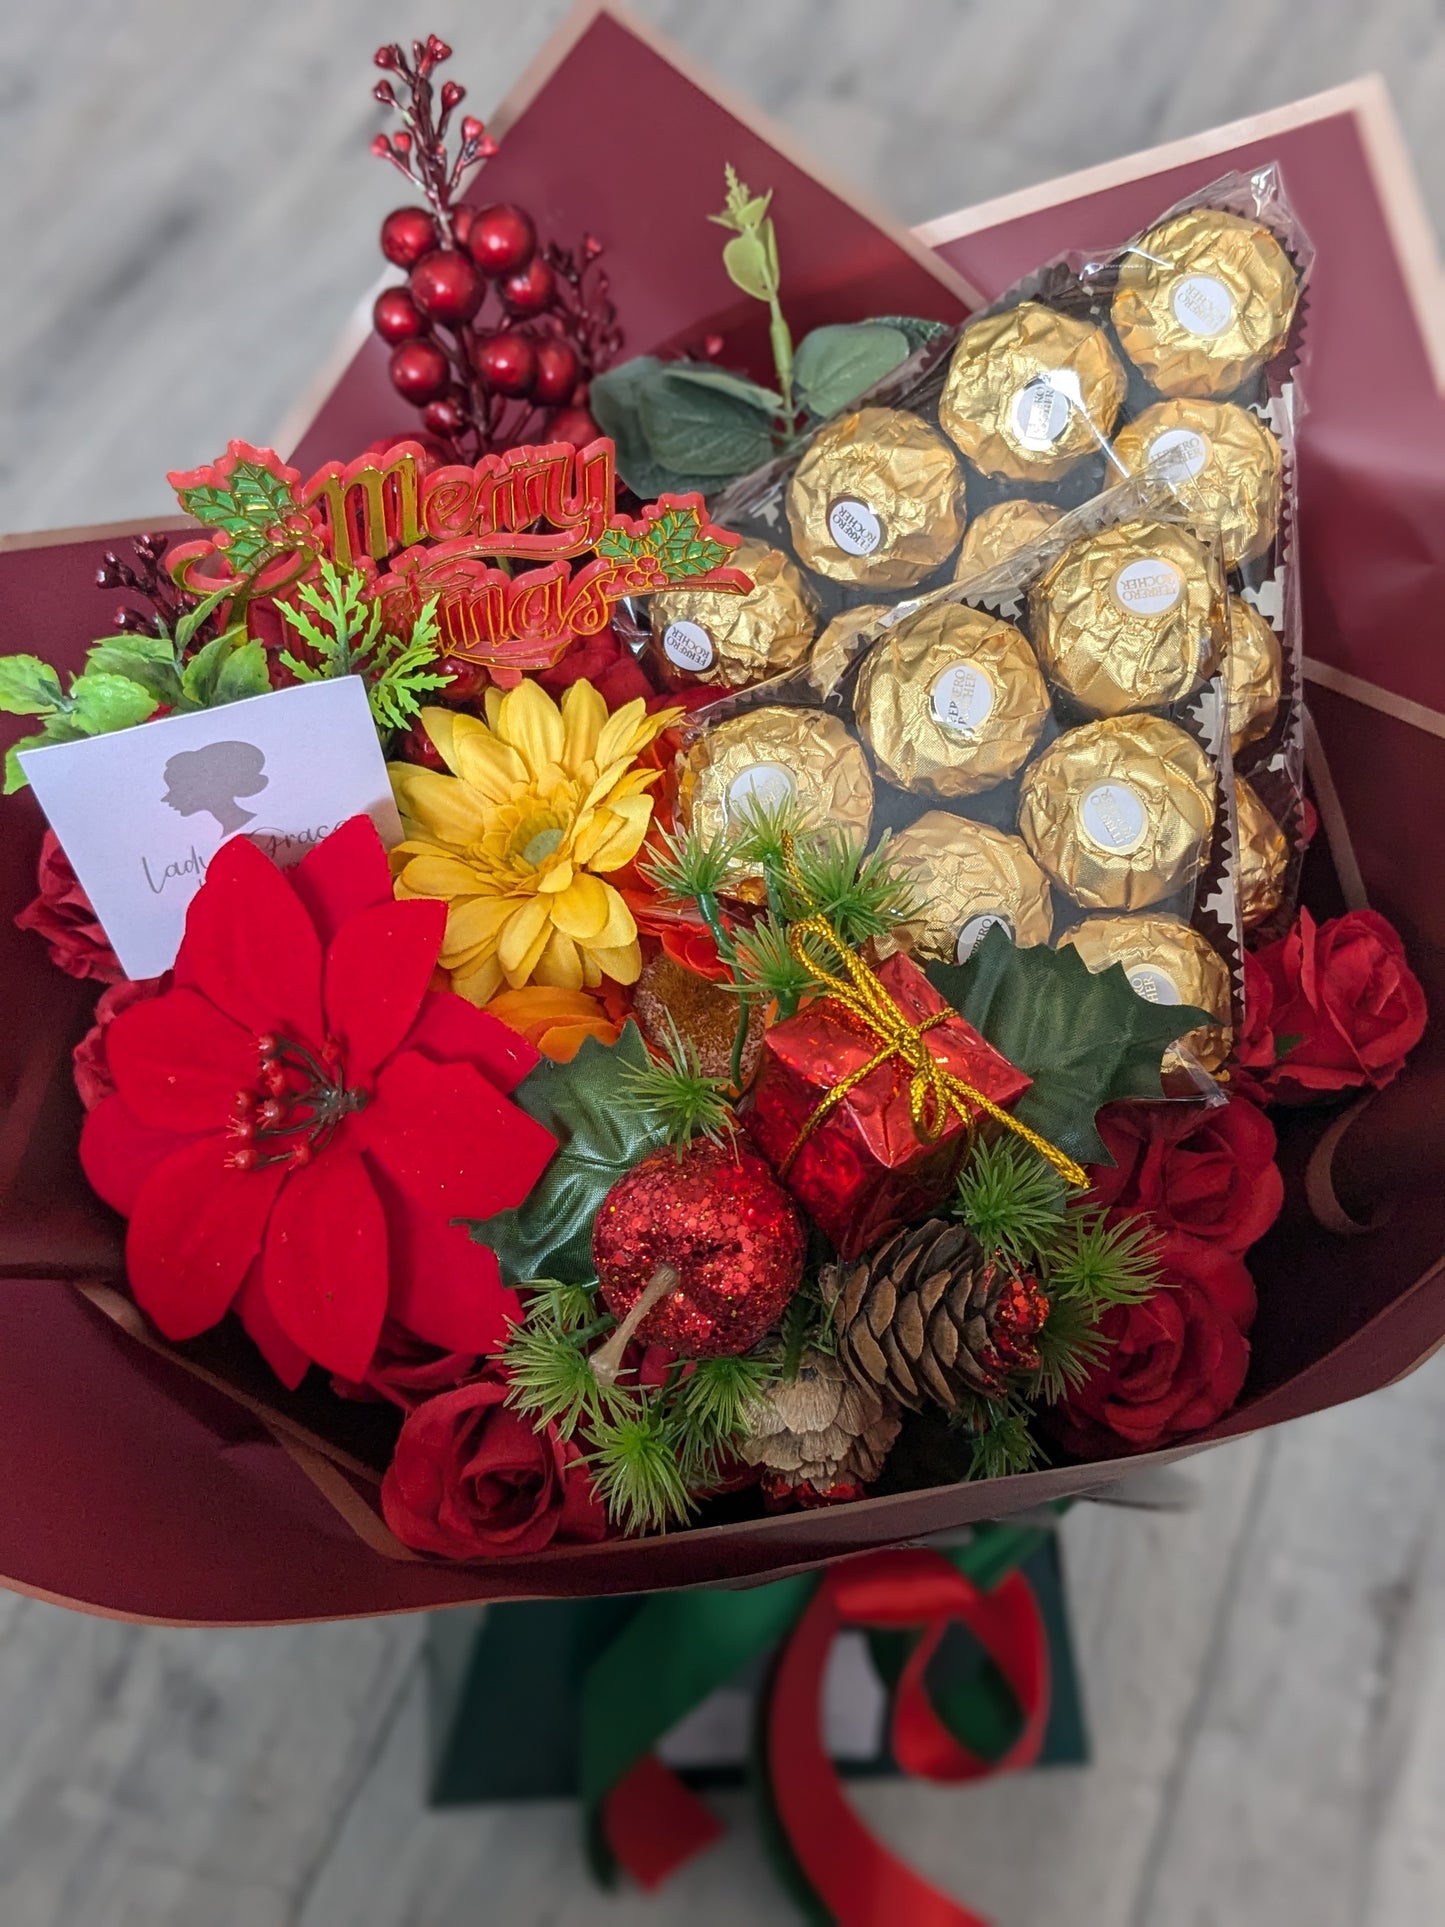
<point>300,1101</point>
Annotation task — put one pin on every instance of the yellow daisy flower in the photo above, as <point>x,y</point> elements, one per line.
<point>540,799</point>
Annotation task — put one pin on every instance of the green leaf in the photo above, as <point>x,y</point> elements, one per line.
<point>28,686</point>
<point>751,265</point>
<point>915,330</point>
<point>1084,1038</point>
<point>766,400</point>
<point>835,365</point>
<point>243,673</point>
<point>147,660</point>
<point>15,777</point>
<point>702,430</point>
<point>104,702</point>
<point>615,399</point>
<point>246,507</point>
<point>203,672</point>
<point>191,620</point>
<point>600,1138</point>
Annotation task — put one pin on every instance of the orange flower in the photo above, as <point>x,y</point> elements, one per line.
<point>554,1021</point>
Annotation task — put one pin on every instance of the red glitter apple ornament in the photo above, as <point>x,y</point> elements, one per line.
<point>697,1250</point>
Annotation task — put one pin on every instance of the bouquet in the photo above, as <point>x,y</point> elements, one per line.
<point>719,999</point>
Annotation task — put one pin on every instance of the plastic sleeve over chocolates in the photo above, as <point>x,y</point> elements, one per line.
<point>776,755</point>
<point>1000,532</point>
<point>877,500</point>
<point>1233,462</point>
<point>718,637</point>
<point>951,701</point>
<point>1203,301</point>
<point>967,877</point>
<point>1029,392</point>
<point>1263,857</point>
<point>1119,812</point>
<point>1167,961</point>
<point>1255,670</point>
<point>1126,619</point>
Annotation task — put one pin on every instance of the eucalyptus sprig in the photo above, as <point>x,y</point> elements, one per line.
<point>751,260</point>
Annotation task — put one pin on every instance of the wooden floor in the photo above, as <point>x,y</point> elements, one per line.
<point>188,214</point>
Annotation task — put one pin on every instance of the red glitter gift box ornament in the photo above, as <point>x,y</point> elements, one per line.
<point>863,1166</point>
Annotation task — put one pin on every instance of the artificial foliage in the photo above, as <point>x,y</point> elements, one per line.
<point>1084,1038</point>
<point>342,630</point>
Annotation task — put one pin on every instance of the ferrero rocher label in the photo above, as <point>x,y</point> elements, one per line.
<point>1203,301</point>
<point>876,500</point>
<point>771,757</point>
<point>1167,961</point>
<point>1254,671</point>
<point>837,649</point>
<point>1231,458</point>
<point>950,700</point>
<point>1128,618</point>
<point>720,637</point>
<point>1263,857</point>
<point>1030,392</point>
<point>966,878</point>
<point>1000,532</point>
<point>1119,812</point>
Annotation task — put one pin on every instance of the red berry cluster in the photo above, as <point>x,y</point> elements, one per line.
<point>493,336</point>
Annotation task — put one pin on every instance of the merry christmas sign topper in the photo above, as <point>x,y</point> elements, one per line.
<point>500,543</point>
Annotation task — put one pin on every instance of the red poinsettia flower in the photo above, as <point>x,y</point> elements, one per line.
<point>298,1121</point>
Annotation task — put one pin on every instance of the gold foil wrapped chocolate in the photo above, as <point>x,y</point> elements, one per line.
<point>968,877</point>
<point>1030,392</point>
<point>950,700</point>
<point>840,644</point>
<point>1263,857</point>
<point>1254,670</point>
<point>1167,961</point>
<point>1128,618</point>
<point>717,636</point>
<point>1203,301</point>
<point>1231,458</point>
<point>771,757</point>
<point>1119,812</point>
<point>1000,532</point>
<point>876,500</point>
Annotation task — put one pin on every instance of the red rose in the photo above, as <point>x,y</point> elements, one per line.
<point>1210,1173</point>
<point>473,1479</point>
<point>1175,1363</point>
<point>62,917</point>
<point>1330,1007</point>
<point>405,1370</point>
<point>93,1080</point>
<point>606,662</point>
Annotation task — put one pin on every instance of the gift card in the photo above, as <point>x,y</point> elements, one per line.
<point>140,813</point>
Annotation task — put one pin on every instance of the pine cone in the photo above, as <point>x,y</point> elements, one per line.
<point>927,1317</point>
<point>822,1428</point>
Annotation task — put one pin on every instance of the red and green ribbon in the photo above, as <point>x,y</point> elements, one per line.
<point>680,1647</point>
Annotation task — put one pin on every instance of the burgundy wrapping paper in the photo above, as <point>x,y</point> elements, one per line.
<point>129,1487</point>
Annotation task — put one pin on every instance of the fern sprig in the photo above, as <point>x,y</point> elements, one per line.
<point>347,639</point>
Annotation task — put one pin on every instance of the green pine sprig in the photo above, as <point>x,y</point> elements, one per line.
<point>687,867</point>
<point>638,1470</point>
<point>710,1411</point>
<point>768,967</point>
<point>1071,1348</point>
<point>673,1086</point>
<point>1012,1200</point>
<point>863,893</point>
<point>1001,1439</point>
<point>1098,1263</point>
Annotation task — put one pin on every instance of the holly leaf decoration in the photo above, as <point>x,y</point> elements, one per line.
<point>1084,1038</point>
<point>600,1137</point>
<point>244,499</point>
<point>673,543</point>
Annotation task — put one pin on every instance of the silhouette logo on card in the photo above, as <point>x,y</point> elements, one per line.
<point>211,780</point>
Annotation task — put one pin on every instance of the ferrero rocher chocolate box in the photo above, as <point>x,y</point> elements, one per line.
<point>139,1488</point>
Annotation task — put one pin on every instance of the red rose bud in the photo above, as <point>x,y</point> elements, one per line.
<point>382,91</point>
<point>1175,1363</point>
<point>452,96</point>
<point>381,147</point>
<point>387,57</point>
<point>437,49</point>
<point>402,143</point>
<point>1210,1173</point>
